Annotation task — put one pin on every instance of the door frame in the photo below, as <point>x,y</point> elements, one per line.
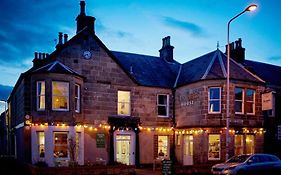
<point>184,149</point>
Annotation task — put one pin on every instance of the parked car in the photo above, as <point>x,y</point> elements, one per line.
<point>262,164</point>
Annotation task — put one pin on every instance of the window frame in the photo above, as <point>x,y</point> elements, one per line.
<point>167,146</point>
<point>209,100</point>
<point>77,99</point>
<point>38,143</point>
<point>58,109</point>
<point>67,144</point>
<point>243,99</point>
<point>129,103</point>
<point>39,96</point>
<point>210,158</point>
<point>167,106</point>
<point>253,102</point>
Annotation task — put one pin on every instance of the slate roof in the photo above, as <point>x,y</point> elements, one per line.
<point>213,66</point>
<point>56,67</point>
<point>268,72</point>
<point>149,70</point>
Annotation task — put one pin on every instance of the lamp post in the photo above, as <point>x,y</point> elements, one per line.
<point>251,7</point>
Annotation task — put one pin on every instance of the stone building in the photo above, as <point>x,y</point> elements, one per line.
<point>88,104</point>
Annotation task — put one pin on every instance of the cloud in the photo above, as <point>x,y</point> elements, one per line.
<point>113,33</point>
<point>189,27</point>
<point>275,58</point>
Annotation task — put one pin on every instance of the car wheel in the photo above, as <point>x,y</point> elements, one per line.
<point>241,172</point>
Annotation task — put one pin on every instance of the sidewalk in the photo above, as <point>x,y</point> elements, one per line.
<point>148,171</point>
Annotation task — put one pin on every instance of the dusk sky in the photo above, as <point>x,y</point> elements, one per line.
<point>138,26</point>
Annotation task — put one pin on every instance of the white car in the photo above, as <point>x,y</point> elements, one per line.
<point>263,164</point>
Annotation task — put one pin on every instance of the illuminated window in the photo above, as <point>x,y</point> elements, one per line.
<point>60,145</point>
<point>250,101</point>
<point>250,144</point>
<point>178,139</point>
<point>40,95</point>
<point>41,143</point>
<point>239,104</point>
<point>214,147</point>
<point>214,100</point>
<point>60,96</point>
<point>163,146</point>
<point>77,98</point>
<point>239,144</point>
<point>163,105</point>
<point>124,103</point>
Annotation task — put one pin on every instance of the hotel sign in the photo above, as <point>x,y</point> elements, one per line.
<point>267,101</point>
<point>100,140</point>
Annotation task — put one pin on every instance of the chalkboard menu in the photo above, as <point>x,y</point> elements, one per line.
<point>100,140</point>
<point>167,167</point>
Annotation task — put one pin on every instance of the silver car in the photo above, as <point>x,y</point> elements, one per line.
<point>263,164</point>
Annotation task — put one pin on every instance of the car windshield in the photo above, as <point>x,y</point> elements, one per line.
<point>238,159</point>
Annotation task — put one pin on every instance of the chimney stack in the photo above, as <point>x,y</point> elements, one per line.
<point>237,52</point>
<point>60,41</point>
<point>85,21</point>
<point>166,52</point>
<point>65,37</point>
<point>40,58</point>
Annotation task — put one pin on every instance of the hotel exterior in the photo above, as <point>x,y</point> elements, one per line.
<point>87,104</point>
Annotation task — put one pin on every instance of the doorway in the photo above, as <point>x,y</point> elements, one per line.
<point>124,147</point>
<point>188,150</point>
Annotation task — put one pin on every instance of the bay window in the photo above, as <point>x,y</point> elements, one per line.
<point>60,145</point>
<point>40,95</point>
<point>214,98</point>
<point>60,96</point>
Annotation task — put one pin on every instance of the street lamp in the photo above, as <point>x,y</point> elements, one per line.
<point>251,7</point>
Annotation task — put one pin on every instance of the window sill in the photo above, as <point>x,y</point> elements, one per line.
<point>60,110</point>
<point>214,112</point>
<point>162,116</point>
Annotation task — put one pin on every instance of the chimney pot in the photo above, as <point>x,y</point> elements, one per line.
<point>65,37</point>
<point>35,55</point>
<point>44,56</point>
<point>82,8</point>
<point>40,55</point>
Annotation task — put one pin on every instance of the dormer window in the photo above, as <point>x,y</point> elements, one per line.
<point>60,96</point>
<point>40,95</point>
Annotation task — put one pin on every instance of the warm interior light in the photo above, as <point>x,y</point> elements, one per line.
<point>251,7</point>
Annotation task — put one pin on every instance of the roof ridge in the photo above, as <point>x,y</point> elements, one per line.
<point>222,65</point>
<point>209,66</point>
<point>135,53</point>
<point>54,63</point>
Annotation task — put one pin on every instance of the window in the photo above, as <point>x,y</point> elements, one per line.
<point>178,139</point>
<point>78,141</point>
<point>214,147</point>
<point>238,144</point>
<point>239,101</point>
<point>124,103</point>
<point>60,96</point>
<point>250,146</point>
<point>60,145</point>
<point>214,100</point>
<point>40,95</point>
<point>163,146</point>
<point>250,101</point>
<point>163,105</point>
<point>41,144</point>
<point>77,98</point>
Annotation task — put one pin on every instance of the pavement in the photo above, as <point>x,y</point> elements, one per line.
<point>148,171</point>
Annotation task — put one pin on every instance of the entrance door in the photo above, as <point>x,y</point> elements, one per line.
<point>188,150</point>
<point>123,149</point>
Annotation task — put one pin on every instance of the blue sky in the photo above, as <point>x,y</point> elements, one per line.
<point>138,26</point>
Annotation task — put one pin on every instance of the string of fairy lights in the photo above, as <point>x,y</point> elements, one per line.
<point>168,130</point>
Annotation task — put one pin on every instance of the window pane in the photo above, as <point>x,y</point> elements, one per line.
<point>40,95</point>
<point>238,106</point>
<point>162,145</point>
<point>124,105</point>
<point>214,93</point>
<point>41,144</point>
<point>249,144</point>
<point>250,95</point>
<point>162,110</point>
<point>214,106</point>
<point>77,98</point>
<point>239,144</point>
<point>60,145</point>
<point>162,99</point>
<point>238,94</point>
<point>60,94</point>
<point>249,107</point>
<point>214,147</point>
<point>40,88</point>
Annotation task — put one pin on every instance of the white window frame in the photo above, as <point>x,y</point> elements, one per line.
<point>38,143</point>
<point>61,132</point>
<point>77,100</point>
<point>209,100</point>
<point>58,95</point>
<point>129,103</point>
<point>243,99</point>
<point>167,106</point>
<point>39,96</point>
<point>254,98</point>
<point>210,158</point>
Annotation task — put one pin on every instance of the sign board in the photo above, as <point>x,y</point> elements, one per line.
<point>279,132</point>
<point>167,167</point>
<point>100,140</point>
<point>267,101</point>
